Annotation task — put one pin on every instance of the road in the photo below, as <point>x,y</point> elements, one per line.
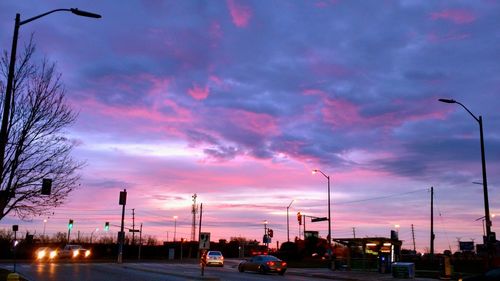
<point>139,271</point>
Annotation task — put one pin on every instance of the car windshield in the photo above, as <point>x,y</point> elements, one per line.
<point>214,253</point>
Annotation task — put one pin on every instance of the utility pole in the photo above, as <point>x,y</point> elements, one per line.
<point>354,232</point>
<point>432,223</point>
<point>199,229</point>
<point>133,226</point>
<point>413,235</point>
<point>140,242</point>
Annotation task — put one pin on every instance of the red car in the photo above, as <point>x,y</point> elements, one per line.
<point>263,264</point>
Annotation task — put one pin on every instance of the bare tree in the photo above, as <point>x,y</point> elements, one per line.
<point>37,147</point>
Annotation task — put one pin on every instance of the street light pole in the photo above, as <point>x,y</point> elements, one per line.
<point>265,234</point>
<point>485,183</point>
<point>10,77</point>
<point>175,226</point>
<point>329,214</point>
<point>92,234</point>
<point>44,224</point>
<point>288,222</point>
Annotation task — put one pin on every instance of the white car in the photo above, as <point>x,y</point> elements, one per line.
<point>215,258</point>
<point>74,252</point>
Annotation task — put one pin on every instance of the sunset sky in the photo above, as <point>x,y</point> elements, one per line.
<point>237,101</point>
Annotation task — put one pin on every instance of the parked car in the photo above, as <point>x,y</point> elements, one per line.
<point>493,275</point>
<point>45,254</point>
<point>74,252</point>
<point>263,264</point>
<point>214,258</point>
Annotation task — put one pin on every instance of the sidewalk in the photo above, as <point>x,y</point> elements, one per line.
<point>325,273</point>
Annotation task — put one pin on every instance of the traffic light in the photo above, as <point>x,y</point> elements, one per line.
<point>106,226</point>
<point>70,224</point>
<point>299,218</point>
<point>270,233</point>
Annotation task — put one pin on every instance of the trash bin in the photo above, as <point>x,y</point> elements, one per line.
<point>403,270</point>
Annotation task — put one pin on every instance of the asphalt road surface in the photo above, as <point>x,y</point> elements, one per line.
<point>138,271</point>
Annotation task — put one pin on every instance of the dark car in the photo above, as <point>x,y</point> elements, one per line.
<point>263,264</point>
<point>45,254</point>
<point>491,275</point>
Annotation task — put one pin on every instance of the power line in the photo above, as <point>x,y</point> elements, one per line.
<point>380,197</point>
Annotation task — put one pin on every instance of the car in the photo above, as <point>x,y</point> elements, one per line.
<point>214,258</point>
<point>46,254</point>
<point>74,252</point>
<point>263,264</point>
<point>493,275</point>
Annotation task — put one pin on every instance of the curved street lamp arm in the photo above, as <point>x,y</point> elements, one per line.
<point>42,15</point>
<point>471,114</point>
<point>319,171</point>
<point>73,10</point>
<point>457,102</point>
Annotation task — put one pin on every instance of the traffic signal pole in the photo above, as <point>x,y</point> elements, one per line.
<point>121,235</point>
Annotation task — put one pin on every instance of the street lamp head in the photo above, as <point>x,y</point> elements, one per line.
<point>448,100</point>
<point>85,13</point>
<point>314,171</point>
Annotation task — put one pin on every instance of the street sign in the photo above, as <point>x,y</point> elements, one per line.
<point>134,230</point>
<point>121,235</point>
<point>319,219</point>
<point>46,186</point>
<point>204,240</point>
<point>123,198</point>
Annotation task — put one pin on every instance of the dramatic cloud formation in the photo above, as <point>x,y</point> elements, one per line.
<point>237,101</point>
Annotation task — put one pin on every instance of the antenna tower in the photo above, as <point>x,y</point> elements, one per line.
<point>194,210</point>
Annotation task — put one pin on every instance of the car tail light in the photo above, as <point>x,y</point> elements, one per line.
<point>270,263</point>
<point>283,264</point>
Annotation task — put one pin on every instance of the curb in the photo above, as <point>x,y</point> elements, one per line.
<point>172,274</point>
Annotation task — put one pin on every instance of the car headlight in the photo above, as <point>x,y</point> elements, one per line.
<point>53,254</point>
<point>87,253</point>
<point>41,254</point>
<point>75,253</point>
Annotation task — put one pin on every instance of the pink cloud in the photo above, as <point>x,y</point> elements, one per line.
<point>215,33</point>
<point>139,112</point>
<point>342,113</point>
<point>322,64</point>
<point>455,16</point>
<point>240,14</point>
<point>258,123</point>
<point>450,36</point>
<point>199,93</point>
<point>325,4</point>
